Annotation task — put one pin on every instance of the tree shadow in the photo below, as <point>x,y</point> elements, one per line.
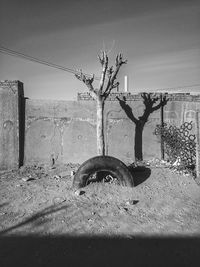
<point>149,101</point>
<point>21,116</point>
<point>37,219</point>
<point>140,173</point>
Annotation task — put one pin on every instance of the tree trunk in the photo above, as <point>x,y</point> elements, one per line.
<point>100,127</point>
<point>139,126</point>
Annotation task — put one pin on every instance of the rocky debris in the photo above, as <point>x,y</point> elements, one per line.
<point>58,200</point>
<point>64,174</point>
<point>36,171</point>
<point>27,179</point>
<point>57,177</point>
<point>64,171</point>
<point>72,173</point>
<point>79,192</point>
<point>105,178</point>
<point>174,167</point>
<point>111,180</point>
<point>132,202</point>
<point>139,164</point>
<point>32,172</point>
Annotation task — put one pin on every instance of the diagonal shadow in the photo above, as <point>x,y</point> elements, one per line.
<point>36,218</point>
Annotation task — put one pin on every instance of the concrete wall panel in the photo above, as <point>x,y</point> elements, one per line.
<point>120,139</point>
<point>60,109</point>
<point>43,142</point>
<point>76,126</point>
<point>79,141</point>
<point>9,124</point>
<point>151,143</point>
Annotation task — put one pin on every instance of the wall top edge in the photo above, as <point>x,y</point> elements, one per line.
<point>133,97</point>
<point>9,82</point>
<point>145,92</point>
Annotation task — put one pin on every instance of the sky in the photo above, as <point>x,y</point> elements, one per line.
<point>160,39</point>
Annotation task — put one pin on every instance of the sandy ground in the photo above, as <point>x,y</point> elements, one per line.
<point>43,222</point>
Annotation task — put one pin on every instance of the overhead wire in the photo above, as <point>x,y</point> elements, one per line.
<point>11,52</point>
<point>8,51</point>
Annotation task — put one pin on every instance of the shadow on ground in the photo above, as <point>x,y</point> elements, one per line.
<point>93,250</point>
<point>38,218</point>
<point>98,251</point>
<point>139,173</point>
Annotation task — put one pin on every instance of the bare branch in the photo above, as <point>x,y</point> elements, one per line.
<point>110,72</point>
<point>112,75</point>
<point>109,76</point>
<point>115,85</point>
<point>104,62</point>
<point>100,57</point>
<point>88,82</point>
<point>119,60</point>
<point>118,64</point>
<point>107,92</point>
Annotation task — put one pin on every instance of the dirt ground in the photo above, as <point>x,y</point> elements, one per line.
<point>43,222</point>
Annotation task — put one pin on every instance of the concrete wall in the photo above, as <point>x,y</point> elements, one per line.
<point>178,112</point>
<point>65,131</point>
<point>11,94</point>
<point>62,131</point>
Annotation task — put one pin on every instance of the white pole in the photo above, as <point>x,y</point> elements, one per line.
<point>126,84</point>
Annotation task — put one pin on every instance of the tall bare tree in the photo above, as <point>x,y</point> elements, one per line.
<point>106,85</point>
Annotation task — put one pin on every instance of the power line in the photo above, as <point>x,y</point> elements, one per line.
<point>8,51</point>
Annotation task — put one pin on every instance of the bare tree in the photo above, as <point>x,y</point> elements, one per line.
<point>106,85</point>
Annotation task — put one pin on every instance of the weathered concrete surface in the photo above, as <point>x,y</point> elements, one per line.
<point>178,112</point>
<point>10,93</point>
<point>65,131</point>
<point>120,132</point>
<point>59,131</point>
<point>42,141</point>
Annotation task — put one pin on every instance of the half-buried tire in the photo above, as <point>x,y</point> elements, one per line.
<point>108,164</point>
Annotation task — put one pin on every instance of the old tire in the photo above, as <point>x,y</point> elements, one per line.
<point>102,163</point>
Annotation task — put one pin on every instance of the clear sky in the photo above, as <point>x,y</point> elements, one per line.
<point>160,39</point>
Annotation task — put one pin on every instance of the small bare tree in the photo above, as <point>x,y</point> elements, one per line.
<point>107,83</point>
